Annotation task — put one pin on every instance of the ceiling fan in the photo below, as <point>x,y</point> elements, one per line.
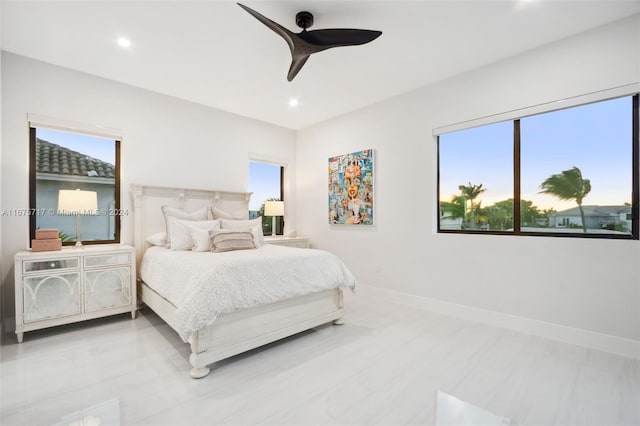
<point>305,43</point>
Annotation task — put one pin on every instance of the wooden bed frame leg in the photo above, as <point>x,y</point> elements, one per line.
<point>338,321</point>
<point>196,371</point>
<point>199,373</point>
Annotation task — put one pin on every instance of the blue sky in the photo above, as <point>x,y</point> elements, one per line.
<point>596,138</point>
<point>93,146</point>
<point>264,182</point>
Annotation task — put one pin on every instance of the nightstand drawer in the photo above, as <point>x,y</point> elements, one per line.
<point>32,266</point>
<point>107,259</point>
<point>298,243</point>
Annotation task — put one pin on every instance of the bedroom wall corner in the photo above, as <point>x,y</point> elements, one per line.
<point>502,274</point>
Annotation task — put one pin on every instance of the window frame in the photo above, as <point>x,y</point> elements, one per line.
<point>33,183</point>
<point>635,190</point>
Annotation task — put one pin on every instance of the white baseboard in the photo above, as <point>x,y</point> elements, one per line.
<point>576,336</point>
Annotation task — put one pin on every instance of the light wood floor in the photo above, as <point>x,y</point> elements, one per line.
<point>383,367</point>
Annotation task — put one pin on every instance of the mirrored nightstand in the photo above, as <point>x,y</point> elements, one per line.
<point>73,284</point>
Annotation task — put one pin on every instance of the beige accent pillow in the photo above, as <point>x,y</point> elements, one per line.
<point>169,211</point>
<point>231,239</point>
<point>255,225</point>
<point>217,213</point>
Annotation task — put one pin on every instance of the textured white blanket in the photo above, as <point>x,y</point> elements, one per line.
<point>205,285</point>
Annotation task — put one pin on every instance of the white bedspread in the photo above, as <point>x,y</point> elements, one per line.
<point>205,285</point>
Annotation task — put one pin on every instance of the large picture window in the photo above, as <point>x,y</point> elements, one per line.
<point>67,160</point>
<point>571,172</point>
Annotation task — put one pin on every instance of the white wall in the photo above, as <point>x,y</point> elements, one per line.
<point>167,142</point>
<point>587,284</point>
<point>1,206</point>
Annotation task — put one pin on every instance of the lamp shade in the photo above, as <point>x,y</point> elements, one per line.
<point>77,201</point>
<point>274,208</point>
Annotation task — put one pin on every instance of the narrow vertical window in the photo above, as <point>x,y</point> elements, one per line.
<point>266,184</point>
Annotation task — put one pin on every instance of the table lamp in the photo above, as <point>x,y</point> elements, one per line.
<point>273,209</point>
<point>77,202</point>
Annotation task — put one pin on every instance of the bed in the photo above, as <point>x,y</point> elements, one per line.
<point>225,329</point>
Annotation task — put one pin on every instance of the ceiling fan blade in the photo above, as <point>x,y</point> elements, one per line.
<point>296,66</point>
<point>339,37</point>
<point>274,26</point>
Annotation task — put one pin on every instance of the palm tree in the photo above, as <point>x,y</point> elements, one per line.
<point>568,185</point>
<point>470,192</point>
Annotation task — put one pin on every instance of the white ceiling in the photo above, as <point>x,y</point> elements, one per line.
<point>216,54</point>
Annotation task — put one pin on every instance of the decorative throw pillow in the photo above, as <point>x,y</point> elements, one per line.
<point>178,213</point>
<point>181,237</point>
<point>231,239</point>
<point>217,213</point>
<point>255,225</point>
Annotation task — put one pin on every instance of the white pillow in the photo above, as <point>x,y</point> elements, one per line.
<point>255,225</point>
<point>181,238</point>
<point>242,214</point>
<point>157,239</point>
<point>258,235</point>
<point>178,213</point>
<point>200,238</point>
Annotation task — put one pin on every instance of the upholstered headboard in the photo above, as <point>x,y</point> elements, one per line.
<point>148,201</point>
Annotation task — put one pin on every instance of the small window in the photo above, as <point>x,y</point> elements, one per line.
<point>65,160</point>
<point>266,184</point>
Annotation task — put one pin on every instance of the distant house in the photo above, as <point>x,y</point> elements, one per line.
<point>447,222</point>
<point>596,217</point>
<point>59,168</point>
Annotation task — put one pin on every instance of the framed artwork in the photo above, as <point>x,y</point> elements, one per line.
<point>351,188</point>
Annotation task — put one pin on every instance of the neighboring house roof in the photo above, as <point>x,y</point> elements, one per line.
<point>55,159</point>
<point>595,211</point>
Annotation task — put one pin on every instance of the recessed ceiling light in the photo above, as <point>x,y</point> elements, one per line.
<point>525,3</point>
<point>293,103</point>
<point>124,42</point>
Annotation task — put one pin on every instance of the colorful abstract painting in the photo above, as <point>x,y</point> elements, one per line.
<point>351,188</point>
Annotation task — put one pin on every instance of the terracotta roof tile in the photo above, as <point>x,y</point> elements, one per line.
<point>56,159</point>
